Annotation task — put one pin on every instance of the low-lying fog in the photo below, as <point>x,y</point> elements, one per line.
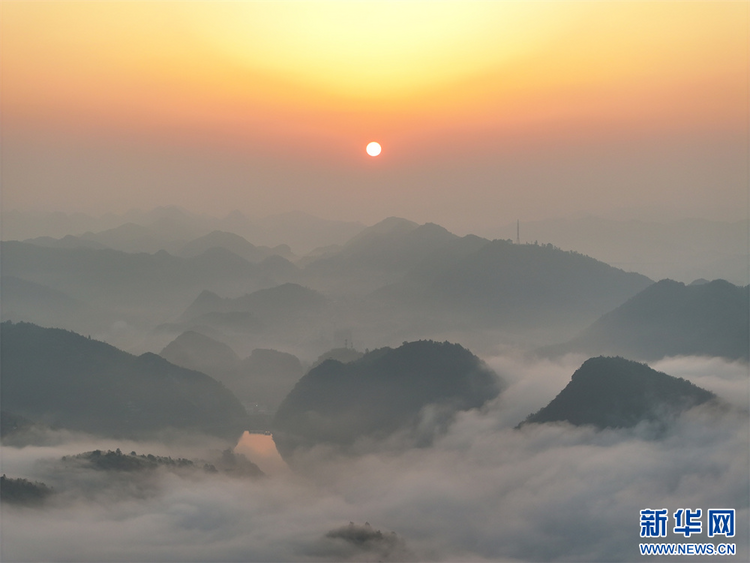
<point>485,491</point>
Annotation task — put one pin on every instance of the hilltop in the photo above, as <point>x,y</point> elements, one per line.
<point>382,392</point>
<point>618,393</point>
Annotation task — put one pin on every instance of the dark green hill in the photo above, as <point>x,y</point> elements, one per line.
<point>229,463</point>
<point>670,318</point>
<point>619,393</point>
<point>23,492</point>
<point>380,393</point>
<point>66,380</point>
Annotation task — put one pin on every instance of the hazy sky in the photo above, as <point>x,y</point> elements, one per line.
<point>486,111</point>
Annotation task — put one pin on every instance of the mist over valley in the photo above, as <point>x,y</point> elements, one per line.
<point>349,403</point>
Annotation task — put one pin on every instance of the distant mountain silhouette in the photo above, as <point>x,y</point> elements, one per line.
<point>391,282</point>
<point>127,237</point>
<point>378,255</point>
<point>302,231</point>
<point>234,321</point>
<point>24,300</point>
<point>234,243</point>
<point>206,302</point>
<point>685,249</point>
<point>501,284</point>
<point>66,380</point>
<point>142,287</point>
<point>670,318</point>
<point>193,350</point>
<point>280,268</point>
<point>343,355</point>
<point>163,234</point>
<point>68,241</point>
<point>79,272</point>
<point>267,376</point>
<point>260,381</point>
<point>270,305</point>
<point>380,393</point>
<point>388,227</point>
<point>618,393</point>
<point>170,228</point>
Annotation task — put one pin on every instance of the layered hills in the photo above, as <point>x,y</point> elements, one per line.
<point>169,228</point>
<point>65,380</point>
<point>234,243</point>
<point>142,287</point>
<point>670,318</point>
<point>396,280</point>
<point>383,253</point>
<point>268,305</point>
<point>260,381</point>
<point>288,316</point>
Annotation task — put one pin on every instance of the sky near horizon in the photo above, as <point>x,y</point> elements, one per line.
<point>486,111</point>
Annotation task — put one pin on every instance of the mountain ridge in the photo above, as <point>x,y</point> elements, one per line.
<point>670,318</point>
<point>66,380</point>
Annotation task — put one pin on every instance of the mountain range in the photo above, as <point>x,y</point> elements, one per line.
<point>658,247</point>
<point>140,289</point>
<point>394,281</point>
<point>472,284</point>
<point>170,228</point>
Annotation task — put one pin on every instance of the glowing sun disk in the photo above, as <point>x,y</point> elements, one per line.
<point>373,149</point>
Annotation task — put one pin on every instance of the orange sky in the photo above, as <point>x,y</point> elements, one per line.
<point>531,109</point>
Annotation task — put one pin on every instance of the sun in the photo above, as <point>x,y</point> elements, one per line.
<point>373,149</point>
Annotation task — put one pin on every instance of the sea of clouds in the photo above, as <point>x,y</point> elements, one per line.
<point>484,492</point>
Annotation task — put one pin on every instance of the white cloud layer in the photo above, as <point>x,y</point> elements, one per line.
<point>484,492</point>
